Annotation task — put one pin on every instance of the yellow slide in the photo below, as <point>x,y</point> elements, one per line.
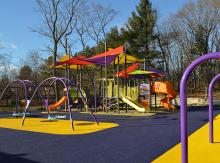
<point>165,88</point>
<point>134,104</point>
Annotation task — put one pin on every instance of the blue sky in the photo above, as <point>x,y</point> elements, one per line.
<point>18,16</point>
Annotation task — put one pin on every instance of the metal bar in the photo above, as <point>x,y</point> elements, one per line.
<point>77,81</point>
<point>210,94</point>
<point>95,99</point>
<point>80,82</point>
<point>118,83</point>
<point>106,84</point>
<point>126,87</point>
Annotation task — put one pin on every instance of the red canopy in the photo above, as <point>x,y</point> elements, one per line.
<point>127,70</point>
<point>77,60</point>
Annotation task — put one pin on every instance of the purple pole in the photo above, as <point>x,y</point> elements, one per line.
<point>183,100</point>
<point>211,87</point>
<point>15,81</point>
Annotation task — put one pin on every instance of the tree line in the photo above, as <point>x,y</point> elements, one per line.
<point>169,45</point>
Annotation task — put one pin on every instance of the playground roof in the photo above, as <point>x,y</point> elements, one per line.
<point>77,60</point>
<point>64,58</point>
<point>129,59</point>
<point>61,63</point>
<point>155,71</point>
<point>144,74</point>
<point>127,70</point>
<point>72,62</point>
<point>107,57</point>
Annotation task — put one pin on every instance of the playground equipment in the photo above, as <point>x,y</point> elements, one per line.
<point>183,102</point>
<point>58,103</point>
<point>111,91</point>
<point>67,88</point>
<point>165,88</point>
<point>154,88</point>
<point>135,104</point>
<point>15,85</point>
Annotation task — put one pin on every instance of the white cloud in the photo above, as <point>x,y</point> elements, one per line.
<point>8,46</point>
<point>2,45</point>
<point>13,46</point>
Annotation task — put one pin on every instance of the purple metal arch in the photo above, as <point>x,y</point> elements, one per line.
<point>183,100</point>
<point>211,87</point>
<point>19,82</point>
<point>68,103</point>
<point>29,101</point>
<point>70,82</point>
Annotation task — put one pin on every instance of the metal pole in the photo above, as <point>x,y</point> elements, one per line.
<point>113,86</point>
<point>77,82</point>
<point>95,99</point>
<point>80,78</point>
<point>210,94</point>
<point>126,88</point>
<point>106,84</point>
<point>17,98</point>
<point>118,83</point>
<point>80,82</point>
<point>106,80</point>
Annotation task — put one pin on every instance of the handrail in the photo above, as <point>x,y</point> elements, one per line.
<point>183,100</point>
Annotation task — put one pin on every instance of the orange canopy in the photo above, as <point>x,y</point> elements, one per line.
<point>115,51</point>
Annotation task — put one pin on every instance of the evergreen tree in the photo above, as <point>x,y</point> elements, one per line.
<point>114,37</point>
<point>139,31</point>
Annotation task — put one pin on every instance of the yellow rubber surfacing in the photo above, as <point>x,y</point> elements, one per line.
<point>59,127</point>
<point>200,150</point>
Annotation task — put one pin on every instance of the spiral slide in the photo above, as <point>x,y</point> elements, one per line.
<point>58,103</point>
<point>165,88</point>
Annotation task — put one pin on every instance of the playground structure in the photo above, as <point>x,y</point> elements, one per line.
<point>26,85</point>
<point>66,98</point>
<point>120,91</point>
<point>14,86</point>
<point>124,83</point>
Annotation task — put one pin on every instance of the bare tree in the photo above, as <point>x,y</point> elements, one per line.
<point>7,68</point>
<point>104,16</point>
<point>190,33</point>
<point>98,21</point>
<point>58,16</point>
<point>35,61</point>
<point>80,26</point>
